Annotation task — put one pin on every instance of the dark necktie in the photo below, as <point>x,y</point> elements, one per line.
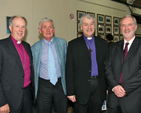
<point>125,54</point>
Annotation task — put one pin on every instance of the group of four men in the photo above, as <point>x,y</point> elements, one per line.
<point>49,71</point>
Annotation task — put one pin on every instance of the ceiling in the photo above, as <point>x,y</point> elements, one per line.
<point>136,3</point>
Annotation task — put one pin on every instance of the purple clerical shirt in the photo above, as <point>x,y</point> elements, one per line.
<point>91,45</point>
<point>25,61</point>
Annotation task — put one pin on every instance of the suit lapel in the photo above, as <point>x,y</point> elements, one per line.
<point>14,52</point>
<point>57,47</point>
<point>120,50</point>
<point>97,48</point>
<point>83,45</point>
<point>132,49</point>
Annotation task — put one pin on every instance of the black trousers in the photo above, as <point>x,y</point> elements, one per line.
<point>94,103</point>
<point>120,108</point>
<point>26,103</point>
<point>50,95</point>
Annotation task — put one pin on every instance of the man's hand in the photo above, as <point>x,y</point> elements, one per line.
<point>5,109</point>
<point>72,98</point>
<point>119,91</point>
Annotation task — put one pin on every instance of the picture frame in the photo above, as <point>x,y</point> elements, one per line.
<point>93,14</point>
<point>108,19</point>
<point>116,38</point>
<point>121,37</point>
<point>78,27</point>
<point>120,20</point>
<point>7,24</point>
<point>101,36</point>
<point>100,29</point>
<point>116,30</point>
<point>79,34</point>
<point>108,29</point>
<point>100,18</point>
<point>80,14</point>
<point>116,21</point>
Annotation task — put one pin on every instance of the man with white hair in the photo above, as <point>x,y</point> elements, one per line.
<point>85,73</point>
<point>49,58</point>
<point>123,70</point>
<point>16,70</point>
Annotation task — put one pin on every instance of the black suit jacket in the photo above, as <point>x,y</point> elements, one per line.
<point>131,72</point>
<point>78,68</point>
<point>12,73</point>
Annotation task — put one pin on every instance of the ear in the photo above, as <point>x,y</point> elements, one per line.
<point>39,30</point>
<point>54,30</point>
<point>10,28</point>
<point>81,27</point>
<point>136,27</point>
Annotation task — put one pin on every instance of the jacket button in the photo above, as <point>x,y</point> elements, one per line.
<point>89,80</point>
<point>89,70</point>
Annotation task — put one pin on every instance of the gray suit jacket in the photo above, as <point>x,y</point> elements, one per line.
<point>61,49</point>
<point>131,72</point>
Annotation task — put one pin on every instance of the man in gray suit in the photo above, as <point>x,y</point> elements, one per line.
<point>49,58</point>
<point>123,71</point>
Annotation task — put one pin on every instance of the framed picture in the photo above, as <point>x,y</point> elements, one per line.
<point>7,23</point>
<point>101,36</point>
<point>93,14</point>
<point>79,34</point>
<point>108,19</point>
<point>116,30</point>
<point>108,29</point>
<point>78,27</point>
<point>121,37</point>
<point>116,38</point>
<point>120,20</point>
<point>100,28</point>
<point>80,14</point>
<point>116,21</point>
<point>100,18</point>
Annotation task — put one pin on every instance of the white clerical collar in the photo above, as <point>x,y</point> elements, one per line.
<point>18,42</point>
<point>89,38</point>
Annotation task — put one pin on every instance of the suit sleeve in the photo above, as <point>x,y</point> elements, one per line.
<point>134,82</point>
<point>2,95</point>
<point>109,74</point>
<point>69,71</point>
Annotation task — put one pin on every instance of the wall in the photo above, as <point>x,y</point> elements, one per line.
<point>59,11</point>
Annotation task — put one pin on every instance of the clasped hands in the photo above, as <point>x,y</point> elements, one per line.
<point>119,91</point>
<point>72,98</point>
<point>5,109</point>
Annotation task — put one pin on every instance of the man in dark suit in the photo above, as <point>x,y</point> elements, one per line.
<point>85,81</point>
<point>16,74</point>
<point>123,71</point>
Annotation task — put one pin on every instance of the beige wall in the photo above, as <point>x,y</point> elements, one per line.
<point>58,10</point>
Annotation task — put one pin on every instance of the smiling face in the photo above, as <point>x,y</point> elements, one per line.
<point>18,28</point>
<point>128,28</point>
<point>88,27</point>
<point>47,30</point>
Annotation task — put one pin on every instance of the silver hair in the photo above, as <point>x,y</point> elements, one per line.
<point>12,18</point>
<point>46,19</point>
<point>135,21</point>
<point>89,16</point>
